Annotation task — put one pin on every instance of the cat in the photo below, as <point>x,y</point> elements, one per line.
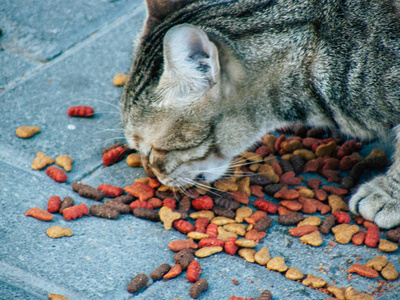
<point>209,78</point>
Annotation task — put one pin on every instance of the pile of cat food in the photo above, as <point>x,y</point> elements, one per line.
<point>224,217</point>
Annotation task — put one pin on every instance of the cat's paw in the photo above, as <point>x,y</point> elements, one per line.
<point>379,201</point>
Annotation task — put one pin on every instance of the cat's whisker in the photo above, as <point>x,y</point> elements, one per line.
<point>119,107</point>
<point>105,141</point>
<point>193,182</point>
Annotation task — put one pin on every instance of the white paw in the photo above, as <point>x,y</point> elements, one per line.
<point>379,201</point>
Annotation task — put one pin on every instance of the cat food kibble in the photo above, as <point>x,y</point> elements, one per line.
<point>184,257</point>
<point>25,132</point>
<point>65,162</point>
<point>167,216</point>
<point>193,271</point>
<point>134,160</point>
<point>110,190</point>
<point>39,214</point>
<point>56,174</point>
<point>387,246</point>
<point>179,245</point>
<point>146,213</point>
<point>53,204</point>
<point>103,211</point>
<point>313,239</point>
<point>265,295</point>
<point>313,281</point>
<point>294,274</point>
<point>198,287</point>
<point>88,191</point>
<point>277,264</point>
<point>67,202</point>
<point>389,272</point>
<point>363,270</point>
<point>120,79</point>
<point>140,190</point>
<point>137,283</point>
<point>262,257</point>
<point>113,156</point>
<point>377,263</point>
<point>80,111</point>
<point>76,211</point>
<point>207,251</point>
<point>41,161</point>
<point>173,272</point>
<point>160,271</point>
<point>58,231</point>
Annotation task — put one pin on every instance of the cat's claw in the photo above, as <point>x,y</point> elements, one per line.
<point>379,201</point>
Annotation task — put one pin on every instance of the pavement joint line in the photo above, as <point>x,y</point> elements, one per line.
<point>107,27</point>
<point>26,279</point>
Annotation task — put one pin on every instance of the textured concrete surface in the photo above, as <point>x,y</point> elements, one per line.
<point>58,54</point>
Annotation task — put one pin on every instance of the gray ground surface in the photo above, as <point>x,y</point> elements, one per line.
<point>57,54</point>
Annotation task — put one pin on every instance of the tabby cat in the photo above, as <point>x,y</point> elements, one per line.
<point>209,78</point>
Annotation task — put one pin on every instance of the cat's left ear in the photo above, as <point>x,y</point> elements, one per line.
<point>191,66</point>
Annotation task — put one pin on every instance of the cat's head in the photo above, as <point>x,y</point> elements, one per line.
<point>184,121</point>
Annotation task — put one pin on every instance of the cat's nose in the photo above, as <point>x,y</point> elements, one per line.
<point>200,177</point>
<point>147,168</point>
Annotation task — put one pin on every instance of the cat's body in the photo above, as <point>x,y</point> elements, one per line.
<point>210,78</point>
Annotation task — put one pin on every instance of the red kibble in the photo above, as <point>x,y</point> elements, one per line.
<point>263,151</point>
<point>347,163</point>
<point>320,195</point>
<point>113,156</point>
<point>277,168</point>
<point>56,174</point>
<point>256,190</point>
<point>342,217</point>
<point>372,237</point>
<point>201,224</point>
<point>283,210</point>
<point>110,190</point>
<point>75,211</point>
<point>313,165</point>
<point>230,246</point>
<point>210,242</point>
<point>278,142</point>
<point>212,230</point>
<point>140,204</point>
<point>153,183</point>
<point>240,197</point>
<point>314,183</point>
<point>335,190</point>
<point>287,194</point>
<point>155,202</point>
<point>80,111</point>
<point>290,179</point>
<point>193,271</point>
<point>358,238</point>
<point>39,214</point>
<point>170,202</point>
<point>140,190</point>
<point>183,226</point>
<point>202,203</point>
<point>265,205</point>
<point>54,204</point>
<point>293,205</point>
<point>348,148</point>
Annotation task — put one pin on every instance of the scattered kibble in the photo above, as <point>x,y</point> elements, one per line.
<point>25,132</point>
<point>58,231</point>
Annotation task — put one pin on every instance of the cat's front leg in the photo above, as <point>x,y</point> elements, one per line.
<point>379,199</point>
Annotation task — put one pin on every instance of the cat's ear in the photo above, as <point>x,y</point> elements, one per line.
<point>158,10</point>
<point>191,66</point>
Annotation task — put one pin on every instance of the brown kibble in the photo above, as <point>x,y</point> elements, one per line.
<point>88,191</point>
<point>103,211</point>
<point>265,295</point>
<point>294,274</point>
<point>244,186</point>
<point>27,131</point>
<point>337,292</point>
<point>313,239</point>
<point>67,202</point>
<point>184,257</point>
<point>58,231</point>
<point>305,154</point>
<point>198,287</point>
<point>173,272</point>
<point>179,245</point>
<point>305,192</point>
<point>146,213</point>
<point>329,221</point>
<point>247,254</point>
<point>389,272</point>
<point>207,251</point>
<point>290,219</point>
<point>336,203</point>
<point>226,184</point>
<point>269,140</point>
<point>277,264</point>
<point>263,224</point>
<point>344,232</point>
<point>394,235</point>
<point>41,161</point>
<point>137,283</point>
<point>313,220</point>
<point>160,271</point>
<point>269,171</point>
<point>313,281</point>
<point>262,257</point>
<point>120,79</point>
<point>133,160</point>
<point>387,246</point>
<point>167,216</point>
<point>287,194</point>
<point>363,270</point>
<point>377,263</point>
<point>352,294</point>
<point>65,162</point>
